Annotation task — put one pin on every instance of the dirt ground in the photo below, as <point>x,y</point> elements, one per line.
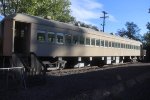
<point>126,82</point>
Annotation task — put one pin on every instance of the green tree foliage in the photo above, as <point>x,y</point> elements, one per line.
<point>8,6</point>
<point>148,26</point>
<point>146,36</point>
<point>56,9</point>
<point>146,42</point>
<point>122,32</point>
<point>131,31</point>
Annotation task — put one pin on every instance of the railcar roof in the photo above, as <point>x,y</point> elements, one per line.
<point>39,20</point>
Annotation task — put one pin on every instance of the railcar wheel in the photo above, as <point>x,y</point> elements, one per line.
<point>101,65</point>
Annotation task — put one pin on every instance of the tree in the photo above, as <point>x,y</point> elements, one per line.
<point>148,26</point>
<point>56,9</point>
<point>122,32</point>
<point>95,28</point>
<point>146,41</point>
<point>111,33</point>
<point>131,31</point>
<point>146,36</point>
<point>8,6</point>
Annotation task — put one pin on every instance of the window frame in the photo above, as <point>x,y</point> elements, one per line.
<point>102,43</point>
<point>66,42</point>
<point>109,44</point>
<point>93,42</point>
<point>74,41</point>
<point>41,32</point>
<point>113,44</point>
<point>98,42</point>
<point>52,33</point>
<point>59,34</point>
<point>106,43</point>
<point>87,42</point>
<point>80,42</point>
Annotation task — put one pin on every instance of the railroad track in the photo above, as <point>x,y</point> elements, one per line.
<point>64,72</point>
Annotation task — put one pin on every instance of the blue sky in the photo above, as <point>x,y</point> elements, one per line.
<point>119,12</point>
<point>1,17</point>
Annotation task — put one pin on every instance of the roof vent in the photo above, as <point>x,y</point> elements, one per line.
<point>77,24</point>
<point>47,17</point>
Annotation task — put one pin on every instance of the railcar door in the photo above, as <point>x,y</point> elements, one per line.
<point>22,37</point>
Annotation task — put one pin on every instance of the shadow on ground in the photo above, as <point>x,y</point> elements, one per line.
<point>122,83</point>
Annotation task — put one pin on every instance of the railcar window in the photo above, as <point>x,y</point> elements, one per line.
<point>113,44</point>
<point>60,39</point>
<point>136,47</point>
<point>93,41</point>
<point>75,40</point>
<point>131,46</point>
<point>87,41</point>
<point>68,38</point>
<point>102,42</point>
<point>109,44</point>
<point>98,42</point>
<point>22,33</point>
<point>106,43</point>
<point>41,37</point>
<point>51,37</point>
<point>118,45</point>
<point>82,40</point>
<point>126,46</point>
<point>121,45</point>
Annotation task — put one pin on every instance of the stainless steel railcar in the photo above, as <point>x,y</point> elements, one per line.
<point>79,46</point>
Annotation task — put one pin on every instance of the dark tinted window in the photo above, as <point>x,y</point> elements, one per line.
<point>93,41</point>
<point>51,37</point>
<point>82,40</point>
<point>41,37</point>
<point>98,42</point>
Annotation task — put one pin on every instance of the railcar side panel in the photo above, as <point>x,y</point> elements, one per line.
<point>7,38</point>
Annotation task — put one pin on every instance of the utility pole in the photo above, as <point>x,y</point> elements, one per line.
<point>104,17</point>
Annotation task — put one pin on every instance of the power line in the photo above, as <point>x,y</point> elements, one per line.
<point>104,17</point>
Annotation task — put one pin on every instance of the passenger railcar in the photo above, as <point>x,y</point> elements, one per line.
<point>55,40</point>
